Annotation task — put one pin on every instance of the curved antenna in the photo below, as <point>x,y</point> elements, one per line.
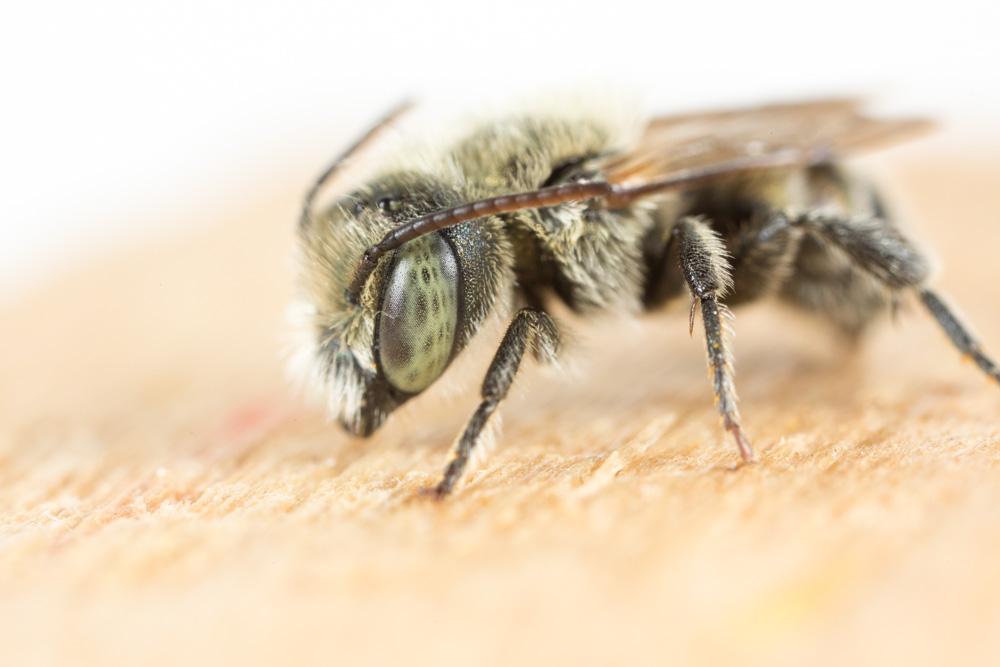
<point>615,196</point>
<point>360,143</point>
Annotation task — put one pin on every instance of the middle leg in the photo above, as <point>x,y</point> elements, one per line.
<point>705,266</point>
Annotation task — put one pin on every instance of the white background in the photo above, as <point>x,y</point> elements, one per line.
<point>112,109</point>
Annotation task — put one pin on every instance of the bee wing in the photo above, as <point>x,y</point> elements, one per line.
<point>777,135</point>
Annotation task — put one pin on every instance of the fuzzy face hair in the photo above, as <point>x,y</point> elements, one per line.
<point>333,338</point>
<point>337,343</point>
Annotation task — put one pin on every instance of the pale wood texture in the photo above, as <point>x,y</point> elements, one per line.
<point>165,499</point>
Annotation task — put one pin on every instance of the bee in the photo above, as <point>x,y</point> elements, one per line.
<point>728,207</point>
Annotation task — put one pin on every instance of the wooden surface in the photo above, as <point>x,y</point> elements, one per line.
<point>165,499</point>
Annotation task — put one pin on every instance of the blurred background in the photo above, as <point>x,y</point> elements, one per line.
<point>120,112</point>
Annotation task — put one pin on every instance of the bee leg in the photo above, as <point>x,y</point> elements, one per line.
<point>878,247</point>
<point>763,257</point>
<point>533,299</point>
<point>873,244</point>
<point>958,333</point>
<point>529,328</point>
<point>706,269</point>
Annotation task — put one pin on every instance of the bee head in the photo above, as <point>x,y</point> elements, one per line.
<point>368,356</point>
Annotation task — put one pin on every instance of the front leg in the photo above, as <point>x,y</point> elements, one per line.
<point>706,269</point>
<point>530,327</point>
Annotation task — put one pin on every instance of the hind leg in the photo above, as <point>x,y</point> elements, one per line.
<point>826,282</point>
<point>856,267</point>
<point>959,333</point>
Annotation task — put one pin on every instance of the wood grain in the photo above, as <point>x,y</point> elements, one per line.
<point>165,499</point>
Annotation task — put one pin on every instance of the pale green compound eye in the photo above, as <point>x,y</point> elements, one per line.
<point>419,314</point>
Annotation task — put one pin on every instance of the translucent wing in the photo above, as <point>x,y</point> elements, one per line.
<point>777,135</point>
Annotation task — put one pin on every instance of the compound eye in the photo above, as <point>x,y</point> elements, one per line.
<point>419,314</point>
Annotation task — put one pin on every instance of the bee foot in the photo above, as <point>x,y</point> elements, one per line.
<point>743,444</point>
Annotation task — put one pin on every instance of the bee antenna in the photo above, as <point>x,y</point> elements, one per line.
<point>615,195</point>
<point>433,222</point>
<point>335,167</point>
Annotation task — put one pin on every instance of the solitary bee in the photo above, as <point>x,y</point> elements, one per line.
<point>730,206</point>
